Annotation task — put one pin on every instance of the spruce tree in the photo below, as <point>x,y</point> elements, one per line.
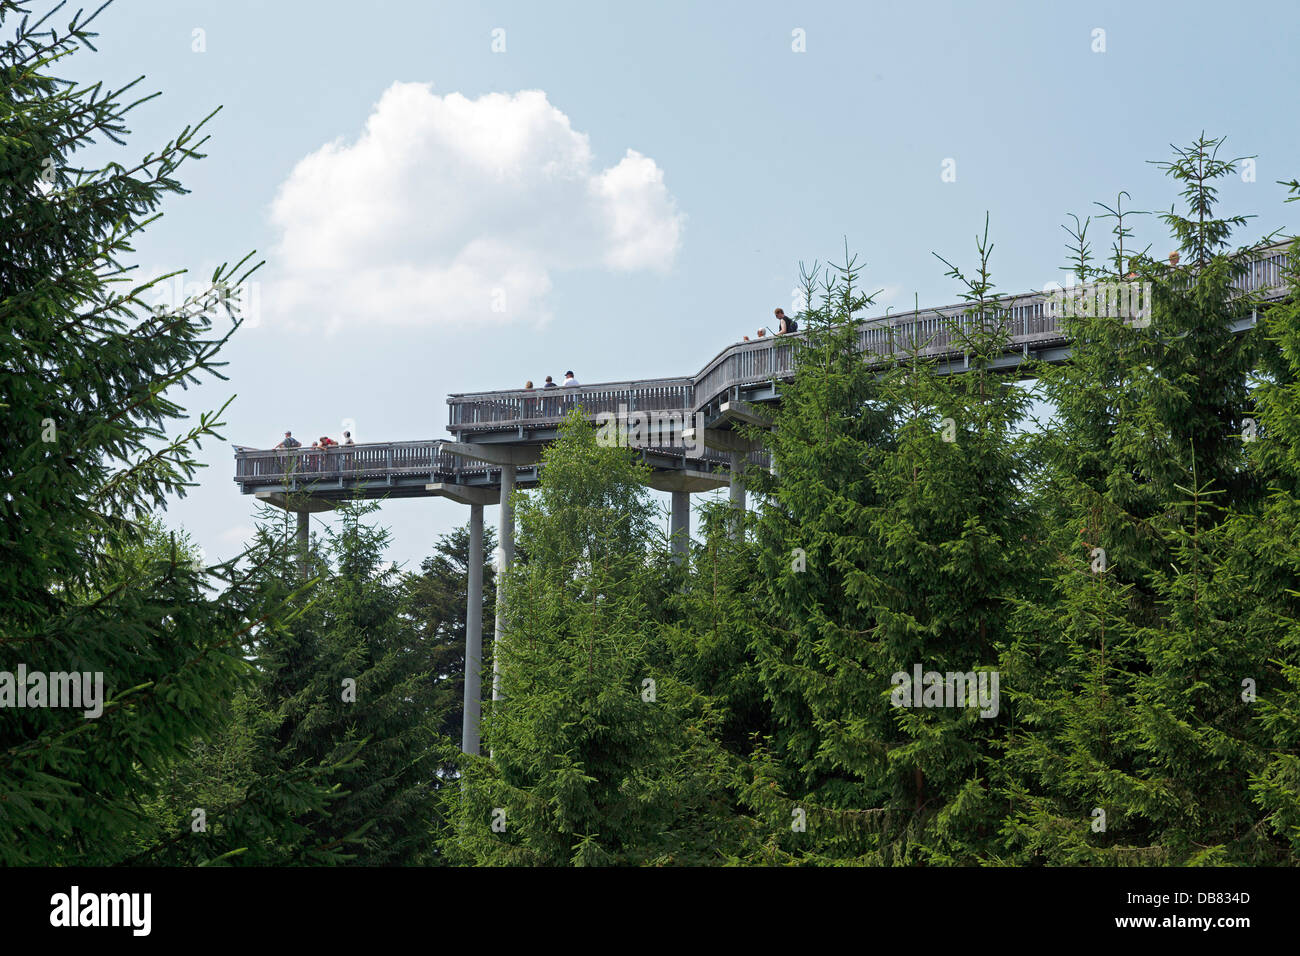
<point>88,381</point>
<point>893,537</point>
<point>813,662</point>
<point>599,755</point>
<point>435,601</point>
<point>222,801</point>
<point>1268,543</point>
<point>351,686</point>
<point>1128,680</point>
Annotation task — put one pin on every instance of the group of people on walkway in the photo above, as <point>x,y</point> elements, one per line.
<point>548,407</point>
<point>785,325</point>
<point>569,382</point>
<point>321,446</point>
<point>323,442</point>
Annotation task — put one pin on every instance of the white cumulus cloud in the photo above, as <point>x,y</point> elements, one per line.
<point>447,209</point>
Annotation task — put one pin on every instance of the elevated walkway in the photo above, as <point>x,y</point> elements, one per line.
<point>688,438</point>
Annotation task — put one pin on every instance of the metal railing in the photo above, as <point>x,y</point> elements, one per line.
<point>352,462</point>
<point>532,407</point>
<point>1025,319</point>
<point>374,461</point>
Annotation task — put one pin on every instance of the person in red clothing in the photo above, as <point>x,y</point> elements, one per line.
<point>324,443</point>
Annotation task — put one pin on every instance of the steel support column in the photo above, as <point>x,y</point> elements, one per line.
<point>738,462</point>
<point>506,557</point>
<point>303,538</point>
<point>679,530</point>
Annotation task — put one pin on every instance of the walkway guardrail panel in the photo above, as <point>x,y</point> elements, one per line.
<point>373,460</point>
<point>526,408</point>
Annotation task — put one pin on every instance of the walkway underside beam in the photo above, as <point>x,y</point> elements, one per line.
<point>496,454</point>
<point>464,494</point>
<point>688,481</point>
<point>302,502</point>
<point>722,440</point>
<point>745,413</point>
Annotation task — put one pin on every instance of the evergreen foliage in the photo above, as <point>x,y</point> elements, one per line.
<point>600,755</point>
<point>88,380</point>
<point>1122,578</point>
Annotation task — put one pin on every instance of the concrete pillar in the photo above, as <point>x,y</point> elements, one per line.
<point>679,530</point>
<point>303,518</point>
<point>469,733</point>
<point>738,461</point>
<point>506,546</point>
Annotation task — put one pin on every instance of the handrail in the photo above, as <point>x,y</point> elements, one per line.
<point>598,386</point>
<point>356,461</point>
<point>525,407</point>
<point>255,466</point>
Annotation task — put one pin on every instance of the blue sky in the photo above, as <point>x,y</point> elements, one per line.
<point>626,189</point>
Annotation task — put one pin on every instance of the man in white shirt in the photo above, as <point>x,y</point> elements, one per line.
<point>569,379</point>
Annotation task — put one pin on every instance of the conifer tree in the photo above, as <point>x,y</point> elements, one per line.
<point>812,533</point>
<point>435,600</point>
<point>1268,543</point>
<point>88,379</point>
<point>351,686</point>
<point>709,625</point>
<point>223,800</point>
<point>899,488</point>
<point>1149,488</point>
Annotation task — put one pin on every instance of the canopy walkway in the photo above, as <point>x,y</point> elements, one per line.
<point>498,436</point>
